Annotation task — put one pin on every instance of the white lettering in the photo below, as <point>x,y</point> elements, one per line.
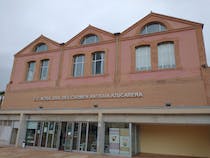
<point>90,96</point>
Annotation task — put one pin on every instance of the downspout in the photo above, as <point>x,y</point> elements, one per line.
<point>117,56</point>
<point>60,64</point>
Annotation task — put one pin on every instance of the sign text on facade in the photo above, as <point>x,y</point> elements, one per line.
<point>90,96</point>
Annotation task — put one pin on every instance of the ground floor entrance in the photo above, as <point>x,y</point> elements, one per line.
<point>111,134</point>
<point>78,136</point>
<point>67,136</point>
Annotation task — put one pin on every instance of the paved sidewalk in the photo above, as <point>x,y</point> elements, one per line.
<point>12,152</point>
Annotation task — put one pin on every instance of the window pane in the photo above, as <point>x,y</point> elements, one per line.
<point>152,28</point>
<point>98,63</point>
<point>92,137</point>
<point>78,66</point>
<point>143,58</point>
<point>44,69</point>
<point>90,39</point>
<point>83,137</point>
<point>31,68</point>
<point>166,57</point>
<point>55,135</point>
<point>41,47</point>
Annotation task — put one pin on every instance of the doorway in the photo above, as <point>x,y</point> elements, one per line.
<point>78,136</point>
<point>14,136</point>
<point>62,135</point>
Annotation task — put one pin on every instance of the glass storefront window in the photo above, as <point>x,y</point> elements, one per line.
<point>50,134</point>
<point>68,138</point>
<point>44,134</point>
<point>75,136</point>
<point>83,137</point>
<point>30,133</point>
<point>117,139</point>
<point>55,135</point>
<point>38,134</point>
<point>92,137</point>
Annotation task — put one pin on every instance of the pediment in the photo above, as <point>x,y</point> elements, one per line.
<point>102,35</point>
<point>30,48</point>
<point>171,23</point>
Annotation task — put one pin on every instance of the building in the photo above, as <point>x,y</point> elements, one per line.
<point>145,90</point>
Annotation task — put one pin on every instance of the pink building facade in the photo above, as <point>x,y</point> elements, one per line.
<point>145,90</point>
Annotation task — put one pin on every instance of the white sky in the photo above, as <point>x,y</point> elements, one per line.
<point>22,21</point>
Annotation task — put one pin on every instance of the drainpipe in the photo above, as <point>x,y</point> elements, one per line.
<point>117,56</point>
<point>60,64</point>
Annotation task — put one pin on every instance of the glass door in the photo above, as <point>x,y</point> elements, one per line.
<point>68,138</point>
<point>62,135</point>
<point>75,136</point>
<point>83,137</point>
<point>44,134</point>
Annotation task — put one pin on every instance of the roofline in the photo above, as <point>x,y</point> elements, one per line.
<point>160,15</point>
<point>89,27</point>
<point>40,37</point>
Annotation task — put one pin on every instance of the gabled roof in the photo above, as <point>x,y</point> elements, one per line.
<point>41,38</point>
<point>166,17</point>
<point>89,29</point>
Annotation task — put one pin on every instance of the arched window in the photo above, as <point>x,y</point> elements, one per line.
<point>41,47</point>
<point>166,55</point>
<point>152,28</point>
<point>89,39</point>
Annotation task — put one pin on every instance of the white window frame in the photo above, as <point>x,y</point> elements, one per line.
<point>95,61</point>
<point>143,58</point>
<point>41,47</point>
<point>44,68</point>
<point>31,70</point>
<point>166,55</point>
<point>145,30</point>
<point>85,40</point>
<point>76,65</point>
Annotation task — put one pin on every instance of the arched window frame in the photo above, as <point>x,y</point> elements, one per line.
<point>87,39</point>
<point>159,27</point>
<point>41,47</point>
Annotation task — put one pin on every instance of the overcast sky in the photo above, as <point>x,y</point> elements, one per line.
<point>22,21</point>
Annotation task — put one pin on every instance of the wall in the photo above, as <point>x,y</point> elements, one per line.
<point>5,134</point>
<point>175,140</point>
<point>176,92</point>
<point>181,86</point>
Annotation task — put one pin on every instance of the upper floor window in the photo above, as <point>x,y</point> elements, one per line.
<point>152,28</point>
<point>166,56</point>
<point>78,65</point>
<point>41,47</point>
<point>98,63</point>
<point>44,69</point>
<point>88,39</point>
<point>31,70</point>
<point>143,58</point>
